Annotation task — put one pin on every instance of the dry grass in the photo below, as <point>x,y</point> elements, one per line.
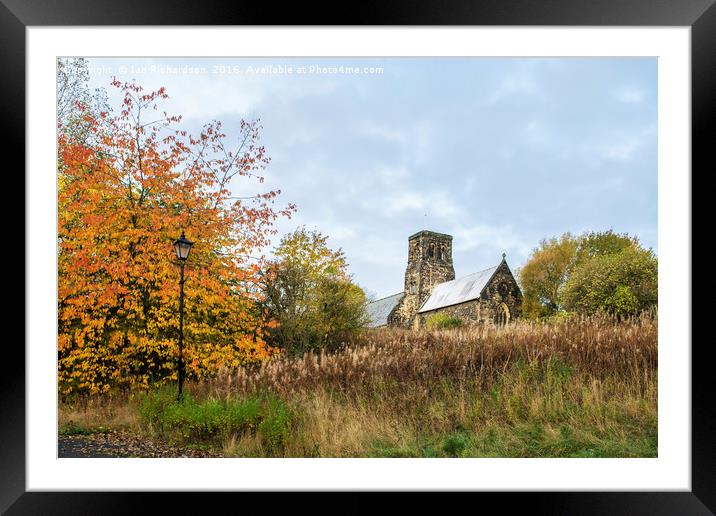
<point>98,414</point>
<point>601,347</point>
<point>582,388</point>
<point>519,418</point>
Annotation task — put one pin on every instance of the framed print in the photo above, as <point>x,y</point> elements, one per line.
<point>419,253</point>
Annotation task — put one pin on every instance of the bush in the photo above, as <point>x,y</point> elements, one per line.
<point>455,444</point>
<point>623,283</point>
<point>442,322</point>
<point>275,427</point>
<point>214,419</point>
<point>561,317</point>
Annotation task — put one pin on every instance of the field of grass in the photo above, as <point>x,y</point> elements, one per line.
<point>580,388</point>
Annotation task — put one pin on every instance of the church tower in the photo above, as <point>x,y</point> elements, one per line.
<point>429,264</point>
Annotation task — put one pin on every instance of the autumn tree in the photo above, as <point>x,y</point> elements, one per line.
<point>544,274</point>
<point>310,294</point>
<point>580,274</point>
<point>130,188</point>
<point>75,99</point>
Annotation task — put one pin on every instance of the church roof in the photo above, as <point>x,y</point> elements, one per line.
<point>459,290</point>
<point>379,310</point>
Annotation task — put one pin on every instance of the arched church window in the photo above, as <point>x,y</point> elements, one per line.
<point>431,250</point>
<point>441,253</point>
<point>502,315</point>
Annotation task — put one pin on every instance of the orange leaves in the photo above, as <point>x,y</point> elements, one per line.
<point>120,206</point>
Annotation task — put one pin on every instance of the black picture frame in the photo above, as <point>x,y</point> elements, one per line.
<point>700,15</point>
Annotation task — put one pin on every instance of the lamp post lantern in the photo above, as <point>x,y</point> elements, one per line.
<point>181,247</point>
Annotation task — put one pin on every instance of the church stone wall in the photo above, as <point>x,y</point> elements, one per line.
<point>502,291</point>
<point>468,312</point>
<point>429,264</point>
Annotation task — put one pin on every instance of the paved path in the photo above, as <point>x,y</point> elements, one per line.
<point>119,444</point>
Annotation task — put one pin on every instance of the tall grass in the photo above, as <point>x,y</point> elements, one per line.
<point>98,414</point>
<point>599,346</point>
<point>575,388</point>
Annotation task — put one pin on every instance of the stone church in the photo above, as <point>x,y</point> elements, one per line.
<point>490,296</point>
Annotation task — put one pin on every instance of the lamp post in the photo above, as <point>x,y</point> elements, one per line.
<point>181,247</point>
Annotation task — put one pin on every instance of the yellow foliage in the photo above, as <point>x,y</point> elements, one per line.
<point>120,206</point>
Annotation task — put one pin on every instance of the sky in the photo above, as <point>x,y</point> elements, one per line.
<point>497,152</point>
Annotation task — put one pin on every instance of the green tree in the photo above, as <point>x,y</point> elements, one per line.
<point>622,283</point>
<point>550,267</point>
<point>602,243</point>
<point>544,274</point>
<point>310,294</point>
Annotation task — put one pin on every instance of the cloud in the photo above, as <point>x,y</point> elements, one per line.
<point>381,132</point>
<point>497,152</point>
<point>622,151</point>
<point>405,201</point>
<point>623,146</point>
<point>436,205</point>
<point>520,83</point>
<point>538,135</point>
<point>502,238</point>
<point>630,95</point>
<point>391,176</point>
<point>219,90</point>
<point>414,141</point>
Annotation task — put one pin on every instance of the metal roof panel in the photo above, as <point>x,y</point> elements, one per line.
<point>459,290</point>
<point>379,310</point>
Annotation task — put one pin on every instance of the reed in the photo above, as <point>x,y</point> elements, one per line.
<point>577,387</point>
<point>601,347</point>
